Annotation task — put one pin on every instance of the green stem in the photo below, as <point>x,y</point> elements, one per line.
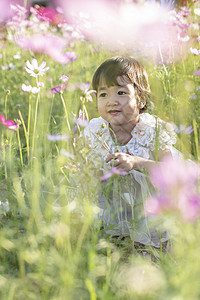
<point>85,111</point>
<point>25,131</point>
<point>4,156</point>
<point>50,113</point>
<point>29,115</point>
<point>20,147</point>
<point>35,123</point>
<point>6,106</point>
<point>65,109</point>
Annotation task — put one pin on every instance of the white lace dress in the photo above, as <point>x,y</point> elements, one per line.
<point>121,200</point>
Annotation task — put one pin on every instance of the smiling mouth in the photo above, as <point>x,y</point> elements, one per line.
<point>114,112</point>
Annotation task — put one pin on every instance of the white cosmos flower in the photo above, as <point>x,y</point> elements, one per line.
<point>34,70</point>
<point>30,89</point>
<point>197,11</point>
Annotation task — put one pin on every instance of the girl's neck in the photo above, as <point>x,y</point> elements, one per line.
<point>121,133</point>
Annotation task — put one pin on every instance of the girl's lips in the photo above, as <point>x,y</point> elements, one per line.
<point>114,112</point>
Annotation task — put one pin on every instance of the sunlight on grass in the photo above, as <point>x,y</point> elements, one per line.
<point>52,245</point>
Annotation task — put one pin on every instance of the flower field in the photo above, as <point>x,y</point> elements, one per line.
<point>52,245</point>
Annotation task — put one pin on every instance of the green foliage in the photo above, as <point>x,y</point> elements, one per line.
<point>50,245</point>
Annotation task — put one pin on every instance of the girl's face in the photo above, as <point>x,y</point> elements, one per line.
<point>117,104</point>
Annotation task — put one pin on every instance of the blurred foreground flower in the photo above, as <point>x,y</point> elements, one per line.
<point>113,171</point>
<point>197,72</point>
<point>71,55</point>
<point>34,70</point>
<point>47,14</point>
<point>8,123</point>
<point>5,11</point>
<point>140,279</point>
<point>177,183</point>
<point>188,130</point>
<point>134,25</point>
<point>57,137</point>
<point>49,44</point>
<point>195,51</point>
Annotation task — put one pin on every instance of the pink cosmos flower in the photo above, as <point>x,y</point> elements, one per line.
<point>113,171</point>
<point>34,70</point>
<point>182,128</point>
<point>197,72</point>
<point>41,84</point>
<point>8,123</point>
<point>195,51</point>
<point>176,183</point>
<point>71,55</point>
<point>64,78</point>
<point>5,11</point>
<point>49,44</point>
<point>18,9</point>
<point>30,89</point>
<point>81,121</point>
<point>184,12</point>
<point>58,89</point>
<point>48,14</point>
<point>84,87</point>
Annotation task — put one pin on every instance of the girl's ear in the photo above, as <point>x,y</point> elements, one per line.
<point>141,99</point>
<point>141,104</point>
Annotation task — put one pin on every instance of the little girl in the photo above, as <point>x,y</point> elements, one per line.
<point>130,140</point>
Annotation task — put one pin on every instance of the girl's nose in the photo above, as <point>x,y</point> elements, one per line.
<point>112,100</point>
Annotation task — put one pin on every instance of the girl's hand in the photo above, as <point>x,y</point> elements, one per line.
<point>127,162</point>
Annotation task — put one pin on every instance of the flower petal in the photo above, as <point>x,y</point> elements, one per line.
<point>2,119</point>
<point>29,65</point>
<point>42,65</point>
<point>34,63</point>
<point>9,122</point>
<point>35,90</point>
<point>45,69</point>
<point>28,70</point>
<point>13,127</point>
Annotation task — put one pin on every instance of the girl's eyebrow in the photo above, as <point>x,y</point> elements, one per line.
<point>101,89</point>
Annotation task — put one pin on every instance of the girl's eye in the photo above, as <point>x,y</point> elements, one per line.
<point>122,93</point>
<point>103,95</point>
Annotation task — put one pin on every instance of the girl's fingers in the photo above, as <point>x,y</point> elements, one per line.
<point>117,162</point>
<point>109,157</point>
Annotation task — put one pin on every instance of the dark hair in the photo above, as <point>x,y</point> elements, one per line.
<point>110,69</point>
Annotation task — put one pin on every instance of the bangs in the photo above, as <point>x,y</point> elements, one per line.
<point>108,73</point>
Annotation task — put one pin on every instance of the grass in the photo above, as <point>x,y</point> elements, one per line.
<point>50,245</point>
